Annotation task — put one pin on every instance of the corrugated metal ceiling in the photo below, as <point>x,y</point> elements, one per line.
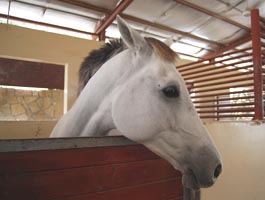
<point>195,32</point>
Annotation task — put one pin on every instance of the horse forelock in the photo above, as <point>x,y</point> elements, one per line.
<point>162,50</point>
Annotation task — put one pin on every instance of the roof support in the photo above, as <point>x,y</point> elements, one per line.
<point>231,46</point>
<point>166,28</point>
<point>210,13</point>
<point>257,63</point>
<point>135,19</point>
<point>44,24</point>
<point>106,22</point>
<point>102,35</point>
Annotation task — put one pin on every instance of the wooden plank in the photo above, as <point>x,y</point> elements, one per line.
<point>101,172</point>
<point>31,74</point>
<point>166,190</point>
<point>18,162</point>
<point>21,145</point>
<point>76,181</point>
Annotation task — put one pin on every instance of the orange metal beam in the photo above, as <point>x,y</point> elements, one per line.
<point>257,62</point>
<point>106,22</point>
<point>44,24</point>
<point>230,46</point>
<point>166,28</point>
<point>147,23</point>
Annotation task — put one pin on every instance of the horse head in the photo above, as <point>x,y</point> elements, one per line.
<point>139,92</point>
<point>153,107</point>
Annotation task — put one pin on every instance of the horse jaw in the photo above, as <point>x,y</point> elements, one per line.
<point>196,163</point>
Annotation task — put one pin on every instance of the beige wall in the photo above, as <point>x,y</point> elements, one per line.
<point>48,47</point>
<point>242,146</point>
<point>25,129</point>
<point>43,46</point>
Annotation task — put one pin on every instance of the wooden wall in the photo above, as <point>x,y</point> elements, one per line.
<point>92,173</point>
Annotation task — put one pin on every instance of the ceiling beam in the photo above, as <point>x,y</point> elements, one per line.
<point>230,46</point>
<point>86,5</point>
<point>108,21</point>
<point>172,30</point>
<point>212,14</point>
<point>45,24</point>
<point>138,20</point>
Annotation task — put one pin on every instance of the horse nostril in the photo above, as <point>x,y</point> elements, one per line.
<point>217,171</point>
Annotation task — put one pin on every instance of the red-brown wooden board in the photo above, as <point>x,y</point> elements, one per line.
<point>114,172</point>
<point>15,72</point>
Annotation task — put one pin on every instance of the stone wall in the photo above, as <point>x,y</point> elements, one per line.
<point>16,104</point>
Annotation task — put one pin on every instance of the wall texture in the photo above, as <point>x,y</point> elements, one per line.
<point>43,46</point>
<point>242,146</point>
<point>28,44</point>
<point>18,105</point>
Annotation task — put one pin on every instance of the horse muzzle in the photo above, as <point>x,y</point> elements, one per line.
<point>193,181</point>
<point>202,170</point>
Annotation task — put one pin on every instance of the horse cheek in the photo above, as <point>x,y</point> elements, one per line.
<point>132,120</point>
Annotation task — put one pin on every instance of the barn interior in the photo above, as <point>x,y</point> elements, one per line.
<point>221,53</point>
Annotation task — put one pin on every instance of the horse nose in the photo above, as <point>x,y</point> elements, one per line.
<point>217,171</point>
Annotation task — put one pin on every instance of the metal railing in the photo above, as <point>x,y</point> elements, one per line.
<point>231,85</point>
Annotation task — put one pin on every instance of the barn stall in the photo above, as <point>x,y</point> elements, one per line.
<point>227,116</point>
<point>84,168</point>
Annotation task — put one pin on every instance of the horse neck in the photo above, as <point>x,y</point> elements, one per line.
<point>96,97</point>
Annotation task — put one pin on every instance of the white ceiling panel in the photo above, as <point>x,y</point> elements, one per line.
<point>216,30</point>
<point>69,20</point>
<point>250,4</point>
<point>184,48</point>
<point>149,10</point>
<point>164,34</point>
<point>112,31</point>
<point>135,25</point>
<point>4,7</point>
<point>107,4</point>
<point>148,34</point>
<point>42,3</point>
<point>235,36</point>
<point>194,42</point>
<point>183,18</point>
<point>212,5</point>
<point>238,17</point>
<point>75,9</point>
<point>21,10</point>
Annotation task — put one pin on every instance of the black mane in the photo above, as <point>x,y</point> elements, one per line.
<point>96,59</point>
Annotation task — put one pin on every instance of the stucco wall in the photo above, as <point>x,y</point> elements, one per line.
<point>31,44</point>
<point>242,146</point>
<point>28,44</point>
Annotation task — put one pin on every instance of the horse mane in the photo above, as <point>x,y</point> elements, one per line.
<point>98,57</point>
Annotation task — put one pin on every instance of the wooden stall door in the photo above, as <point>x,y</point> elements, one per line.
<point>96,173</point>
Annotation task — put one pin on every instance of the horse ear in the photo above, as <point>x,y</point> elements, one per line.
<point>169,41</point>
<point>130,37</point>
<point>189,86</point>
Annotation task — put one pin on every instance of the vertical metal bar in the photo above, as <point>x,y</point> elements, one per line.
<point>217,108</point>
<point>102,35</point>
<point>257,63</point>
<point>118,10</point>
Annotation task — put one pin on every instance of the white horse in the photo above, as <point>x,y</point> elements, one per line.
<point>139,92</point>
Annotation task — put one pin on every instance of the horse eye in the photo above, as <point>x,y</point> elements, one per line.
<point>171,91</point>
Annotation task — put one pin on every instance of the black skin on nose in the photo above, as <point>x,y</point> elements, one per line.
<point>217,171</point>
